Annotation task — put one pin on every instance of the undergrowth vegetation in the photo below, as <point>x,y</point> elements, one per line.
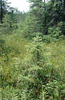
<point>31,70</point>
<point>32,51</point>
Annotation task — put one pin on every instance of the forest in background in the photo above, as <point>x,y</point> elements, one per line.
<point>32,51</point>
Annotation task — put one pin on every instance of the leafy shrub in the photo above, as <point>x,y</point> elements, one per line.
<point>37,75</point>
<point>54,90</point>
<point>63,28</point>
<point>53,35</point>
<point>2,46</point>
<point>30,26</point>
<point>55,32</point>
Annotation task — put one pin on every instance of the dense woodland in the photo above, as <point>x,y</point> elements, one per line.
<point>32,51</point>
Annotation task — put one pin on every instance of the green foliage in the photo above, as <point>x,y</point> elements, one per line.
<point>36,50</point>
<point>7,21</point>
<point>30,26</point>
<point>2,46</point>
<point>9,24</point>
<point>37,75</point>
<point>37,8</point>
<point>55,33</point>
<point>33,69</point>
<point>54,90</point>
<point>3,9</point>
<point>63,28</point>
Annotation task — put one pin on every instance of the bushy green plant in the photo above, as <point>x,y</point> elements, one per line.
<point>38,75</point>
<point>30,26</point>
<point>55,32</point>
<point>34,56</point>
<point>53,90</point>
<point>2,46</point>
<point>7,21</point>
<point>53,35</point>
<point>63,28</point>
<point>34,76</point>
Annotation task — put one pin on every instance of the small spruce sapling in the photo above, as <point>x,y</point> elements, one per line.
<point>36,51</point>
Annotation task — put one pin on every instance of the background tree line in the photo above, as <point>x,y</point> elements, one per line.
<point>43,14</point>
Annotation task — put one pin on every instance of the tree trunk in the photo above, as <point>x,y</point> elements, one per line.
<point>64,3</point>
<point>45,13</point>
<point>1,10</point>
